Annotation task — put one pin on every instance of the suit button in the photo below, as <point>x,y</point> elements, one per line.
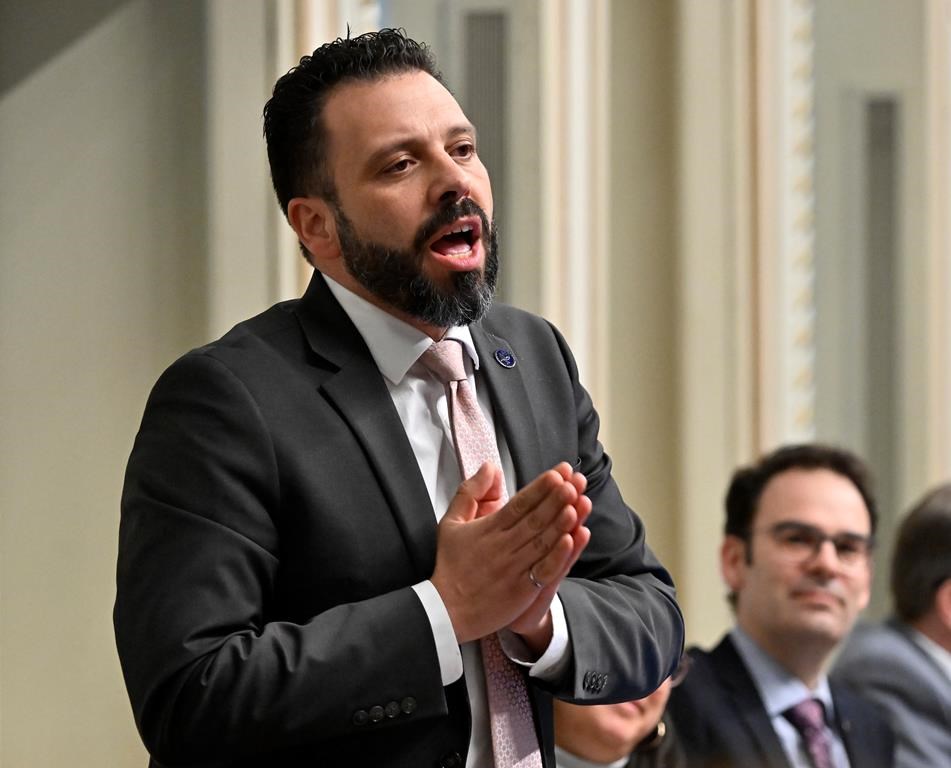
<point>376,713</point>
<point>408,705</point>
<point>392,709</point>
<point>360,717</point>
<point>452,760</point>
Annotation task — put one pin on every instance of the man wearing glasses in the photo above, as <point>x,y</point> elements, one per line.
<point>796,557</point>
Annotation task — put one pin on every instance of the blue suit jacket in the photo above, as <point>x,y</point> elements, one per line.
<point>721,721</point>
<point>274,520</point>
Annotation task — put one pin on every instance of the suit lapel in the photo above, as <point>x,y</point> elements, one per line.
<point>354,386</point>
<point>853,725</point>
<point>737,681</point>
<point>510,403</point>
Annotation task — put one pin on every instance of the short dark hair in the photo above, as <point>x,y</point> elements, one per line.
<point>293,122</point>
<point>746,487</point>
<point>921,560</point>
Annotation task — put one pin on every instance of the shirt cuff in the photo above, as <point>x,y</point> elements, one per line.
<point>554,661</point>
<point>444,636</point>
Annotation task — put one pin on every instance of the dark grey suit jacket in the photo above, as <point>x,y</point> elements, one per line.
<point>721,720</point>
<point>883,663</point>
<point>274,519</point>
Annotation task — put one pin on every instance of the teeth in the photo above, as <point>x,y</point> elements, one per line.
<point>460,230</point>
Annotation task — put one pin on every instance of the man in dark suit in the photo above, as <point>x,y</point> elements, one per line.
<point>904,663</point>
<point>797,560</point>
<point>305,572</point>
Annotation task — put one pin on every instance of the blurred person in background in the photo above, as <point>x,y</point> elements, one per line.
<point>904,663</point>
<point>631,734</point>
<point>796,557</point>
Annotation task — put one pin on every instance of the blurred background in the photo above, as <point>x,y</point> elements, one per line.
<point>736,210</point>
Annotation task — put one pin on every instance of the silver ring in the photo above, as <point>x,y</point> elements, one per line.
<point>535,581</point>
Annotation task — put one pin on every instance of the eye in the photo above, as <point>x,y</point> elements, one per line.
<point>849,548</point>
<point>799,538</point>
<point>463,151</point>
<point>399,166</point>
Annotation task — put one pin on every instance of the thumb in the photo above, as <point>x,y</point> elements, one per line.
<point>484,485</point>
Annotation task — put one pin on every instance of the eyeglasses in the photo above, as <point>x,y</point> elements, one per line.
<point>800,542</point>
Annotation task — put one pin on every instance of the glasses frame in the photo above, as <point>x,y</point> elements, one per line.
<point>846,544</point>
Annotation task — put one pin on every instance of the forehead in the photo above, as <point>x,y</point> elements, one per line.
<point>363,116</point>
<point>819,497</point>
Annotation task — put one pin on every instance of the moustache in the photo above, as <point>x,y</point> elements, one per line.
<point>446,216</point>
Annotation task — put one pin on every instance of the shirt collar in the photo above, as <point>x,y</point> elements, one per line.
<point>394,344</point>
<point>565,759</point>
<point>941,656</point>
<point>778,689</point>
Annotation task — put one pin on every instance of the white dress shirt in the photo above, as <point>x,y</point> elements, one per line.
<point>565,759</point>
<point>421,402</point>
<point>779,691</point>
<point>941,656</point>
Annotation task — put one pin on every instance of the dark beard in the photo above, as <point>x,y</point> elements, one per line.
<point>395,276</point>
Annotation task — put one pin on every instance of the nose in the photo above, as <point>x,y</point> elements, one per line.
<point>450,182</point>
<point>825,559</point>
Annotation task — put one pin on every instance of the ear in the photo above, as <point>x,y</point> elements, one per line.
<point>942,604</point>
<point>733,562</point>
<point>313,221</point>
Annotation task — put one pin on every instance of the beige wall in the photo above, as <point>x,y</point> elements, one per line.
<point>135,222</point>
<point>642,267</point>
<point>102,279</point>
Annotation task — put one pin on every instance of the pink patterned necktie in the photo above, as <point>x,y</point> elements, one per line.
<point>514,742</point>
<point>808,717</point>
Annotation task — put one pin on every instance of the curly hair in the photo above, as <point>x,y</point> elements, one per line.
<point>293,126</point>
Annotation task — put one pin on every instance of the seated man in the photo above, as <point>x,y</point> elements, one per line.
<point>631,734</point>
<point>796,558</point>
<point>904,664</point>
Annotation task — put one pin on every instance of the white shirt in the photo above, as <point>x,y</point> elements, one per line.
<point>565,759</point>
<point>779,691</point>
<point>941,656</point>
<point>422,405</point>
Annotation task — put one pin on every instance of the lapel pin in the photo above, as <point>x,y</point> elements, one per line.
<point>504,358</point>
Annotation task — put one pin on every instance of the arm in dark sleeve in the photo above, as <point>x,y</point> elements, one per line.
<point>626,629</point>
<point>211,664</point>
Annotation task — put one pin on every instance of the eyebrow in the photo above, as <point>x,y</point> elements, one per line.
<point>795,524</point>
<point>409,139</point>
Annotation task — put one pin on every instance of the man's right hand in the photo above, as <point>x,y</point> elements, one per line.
<point>485,550</point>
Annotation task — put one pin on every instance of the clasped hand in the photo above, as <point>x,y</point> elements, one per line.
<point>486,550</point>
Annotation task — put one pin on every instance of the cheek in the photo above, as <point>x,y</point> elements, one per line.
<point>388,219</point>
<point>862,589</point>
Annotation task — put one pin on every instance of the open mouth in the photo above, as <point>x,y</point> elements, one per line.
<point>458,239</point>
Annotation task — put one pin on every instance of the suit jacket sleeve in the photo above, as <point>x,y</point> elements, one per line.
<point>268,549</point>
<point>625,626</point>
<point>216,661</point>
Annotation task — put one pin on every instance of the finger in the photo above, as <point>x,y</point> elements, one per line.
<point>471,491</point>
<point>583,508</point>
<point>536,612</point>
<point>579,481</point>
<point>540,528</point>
<point>541,542</point>
<point>549,569</point>
<point>528,499</point>
<point>491,498</point>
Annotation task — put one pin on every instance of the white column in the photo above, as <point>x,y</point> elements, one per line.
<point>784,210</point>
<point>575,239</point>
<point>938,149</point>
<point>716,292</point>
